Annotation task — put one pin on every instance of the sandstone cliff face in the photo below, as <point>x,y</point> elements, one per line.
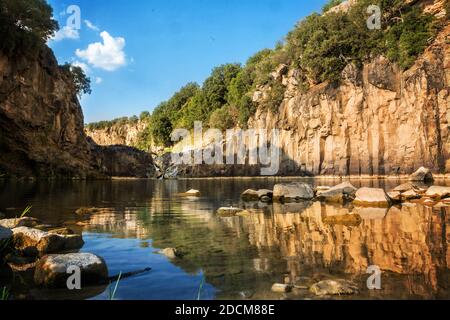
<point>379,121</point>
<point>127,134</point>
<point>41,125</point>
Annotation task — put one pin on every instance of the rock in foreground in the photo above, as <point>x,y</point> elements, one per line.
<point>19,222</point>
<point>334,287</point>
<point>51,270</point>
<point>371,197</point>
<point>292,192</point>
<point>37,242</point>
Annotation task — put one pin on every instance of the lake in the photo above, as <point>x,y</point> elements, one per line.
<point>237,257</point>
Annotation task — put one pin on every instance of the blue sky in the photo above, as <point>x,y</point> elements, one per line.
<point>139,52</point>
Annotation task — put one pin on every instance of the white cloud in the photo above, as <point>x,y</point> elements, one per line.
<point>66,33</point>
<point>91,26</point>
<point>98,80</point>
<point>108,55</point>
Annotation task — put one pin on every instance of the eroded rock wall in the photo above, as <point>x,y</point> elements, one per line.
<point>379,121</point>
<point>41,122</point>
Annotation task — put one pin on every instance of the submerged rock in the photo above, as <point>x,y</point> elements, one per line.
<point>292,192</point>
<point>371,197</point>
<point>334,287</point>
<point>338,193</point>
<point>281,288</point>
<point>170,253</point>
<point>190,193</point>
<point>51,270</point>
<point>422,174</point>
<point>86,211</point>
<point>36,242</point>
<point>19,222</point>
<point>438,192</point>
<point>228,211</point>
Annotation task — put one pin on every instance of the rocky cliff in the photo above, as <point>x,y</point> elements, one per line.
<point>41,124</point>
<point>378,121</point>
<point>118,134</point>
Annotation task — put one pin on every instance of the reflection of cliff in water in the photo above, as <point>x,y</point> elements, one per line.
<point>250,253</point>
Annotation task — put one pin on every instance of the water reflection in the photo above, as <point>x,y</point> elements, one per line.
<point>241,257</point>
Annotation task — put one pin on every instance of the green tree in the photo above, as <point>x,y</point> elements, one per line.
<point>81,82</point>
<point>25,25</point>
<point>222,118</point>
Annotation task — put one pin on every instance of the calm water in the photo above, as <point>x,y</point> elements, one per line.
<point>240,257</point>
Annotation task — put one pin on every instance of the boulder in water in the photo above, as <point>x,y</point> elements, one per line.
<point>51,270</point>
<point>371,197</point>
<point>292,192</point>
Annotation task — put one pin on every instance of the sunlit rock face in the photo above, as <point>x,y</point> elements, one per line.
<point>123,134</point>
<point>379,121</point>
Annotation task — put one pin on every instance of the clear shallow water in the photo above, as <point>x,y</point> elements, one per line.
<point>239,257</point>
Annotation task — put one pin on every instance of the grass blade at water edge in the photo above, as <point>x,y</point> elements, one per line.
<point>200,288</point>
<point>113,293</point>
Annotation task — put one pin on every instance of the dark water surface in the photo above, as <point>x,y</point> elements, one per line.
<point>238,257</point>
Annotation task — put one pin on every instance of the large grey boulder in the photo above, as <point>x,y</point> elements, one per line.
<point>37,242</point>
<point>52,270</point>
<point>371,197</point>
<point>422,174</point>
<point>338,193</point>
<point>292,192</point>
